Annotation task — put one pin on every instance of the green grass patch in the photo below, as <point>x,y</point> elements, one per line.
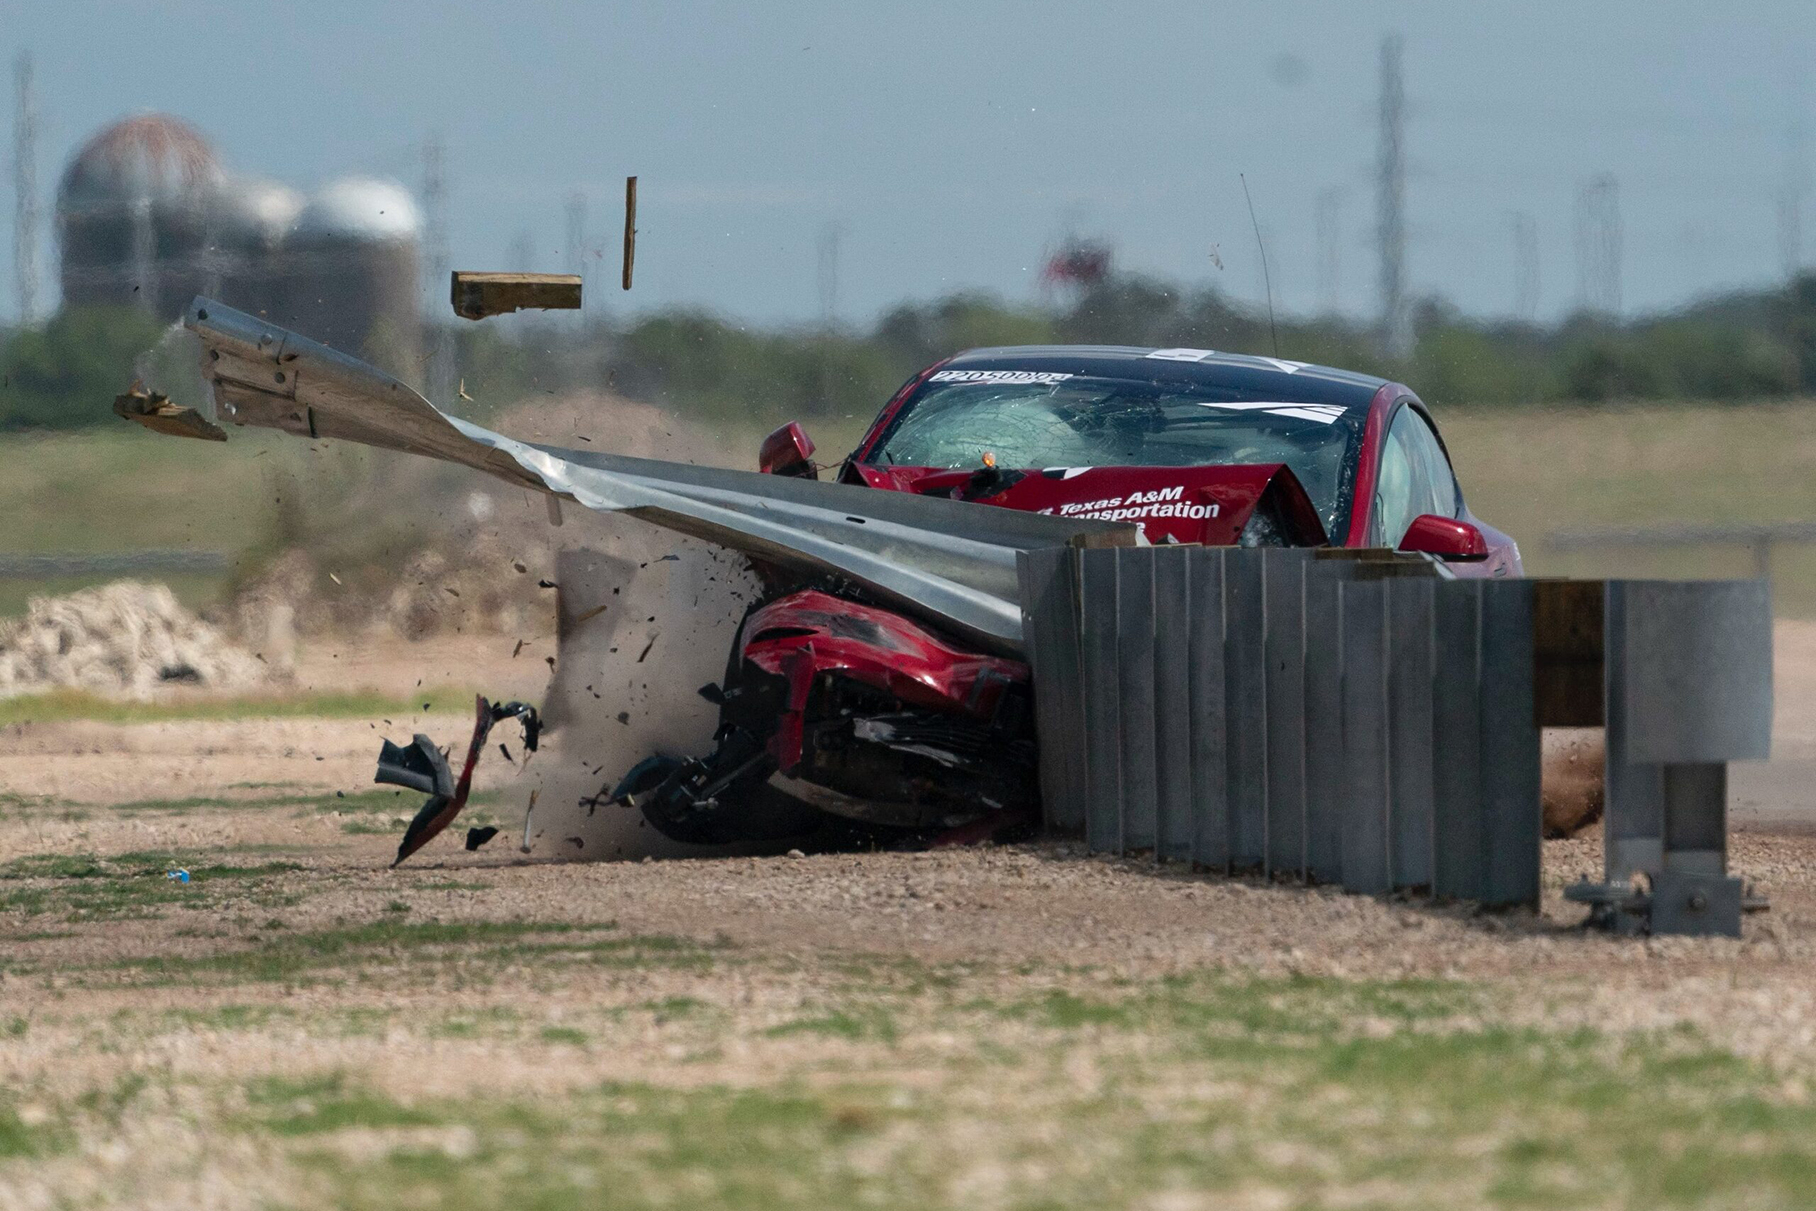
<point>1002,1086</point>
<point>674,1008</point>
<point>84,887</point>
<point>855,1024</point>
<point>52,866</point>
<point>1466,1117</point>
<point>707,1148</point>
<point>401,948</point>
<point>326,1103</point>
<point>230,1017</point>
<point>134,864</point>
<point>58,706</point>
<point>20,1140</point>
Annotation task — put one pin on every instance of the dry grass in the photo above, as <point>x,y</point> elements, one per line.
<point>1535,471</point>
<point>299,1027</point>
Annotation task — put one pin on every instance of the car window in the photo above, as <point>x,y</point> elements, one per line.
<point>1035,420</point>
<point>1414,478</point>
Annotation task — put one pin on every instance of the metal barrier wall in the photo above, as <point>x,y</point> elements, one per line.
<point>1688,687</point>
<point>1364,719</point>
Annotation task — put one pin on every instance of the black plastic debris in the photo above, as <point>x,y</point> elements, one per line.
<point>420,767</point>
<point>424,767</point>
<point>477,837</point>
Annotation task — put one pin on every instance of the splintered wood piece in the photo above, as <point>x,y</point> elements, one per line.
<point>477,295</point>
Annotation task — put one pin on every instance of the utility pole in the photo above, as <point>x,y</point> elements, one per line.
<point>435,206</point>
<point>1390,204</point>
<point>25,189</point>
<point>1525,267</point>
<point>1790,199</point>
<point>1598,246</point>
<point>1330,251</point>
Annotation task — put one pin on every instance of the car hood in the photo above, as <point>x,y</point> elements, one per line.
<point>1210,505</point>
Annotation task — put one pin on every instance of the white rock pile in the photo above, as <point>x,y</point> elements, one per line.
<point>122,639</point>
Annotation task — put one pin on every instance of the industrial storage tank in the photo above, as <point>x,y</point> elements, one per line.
<point>350,272</point>
<point>134,211</point>
<point>252,219</point>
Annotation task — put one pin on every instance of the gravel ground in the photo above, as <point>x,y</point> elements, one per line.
<point>298,956</point>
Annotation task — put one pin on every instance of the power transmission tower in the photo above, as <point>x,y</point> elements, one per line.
<point>1330,250</point>
<point>1390,204</point>
<point>576,239</point>
<point>830,236</point>
<point>1525,267</point>
<point>435,206</point>
<point>25,189</point>
<point>1790,200</point>
<point>1598,245</point>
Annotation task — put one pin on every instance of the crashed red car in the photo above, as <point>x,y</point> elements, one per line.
<point>835,704</point>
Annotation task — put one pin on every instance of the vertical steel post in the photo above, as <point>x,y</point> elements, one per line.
<point>1173,659</point>
<point>1209,694</point>
<point>1245,675</point>
<point>1323,697</point>
<point>1367,856</point>
<point>1098,652</point>
<point>1510,745</point>
<point>1135,658</point>
<point>1283,587</point>
<point>1049,594</point>
<point>1409,729</point>
<point>1459,825</point>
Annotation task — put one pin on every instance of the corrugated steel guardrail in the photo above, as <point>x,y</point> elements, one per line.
<point>1373,722</point>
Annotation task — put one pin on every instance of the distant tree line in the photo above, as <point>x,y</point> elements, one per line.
<point>1736,348</point>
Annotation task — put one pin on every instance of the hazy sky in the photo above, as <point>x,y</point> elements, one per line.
<point>952,142</point>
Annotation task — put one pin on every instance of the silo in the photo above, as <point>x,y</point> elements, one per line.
<point>350,272</point>
<point>133,213</point>
<point>252,219</point>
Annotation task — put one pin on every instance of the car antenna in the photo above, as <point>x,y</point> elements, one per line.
<point>1266,278</point>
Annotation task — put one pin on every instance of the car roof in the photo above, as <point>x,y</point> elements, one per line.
<point>1259,377</point>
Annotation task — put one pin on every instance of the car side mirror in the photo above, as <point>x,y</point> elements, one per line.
<point>786,452</point>
<point>1445,537</point>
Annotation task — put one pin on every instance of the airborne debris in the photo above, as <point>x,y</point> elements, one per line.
<point>423,767</point>
<point>528,812</point>
<point>630,227</point>
<point>477,837</point>
<point>154,410</point>
<point>478,295</point>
